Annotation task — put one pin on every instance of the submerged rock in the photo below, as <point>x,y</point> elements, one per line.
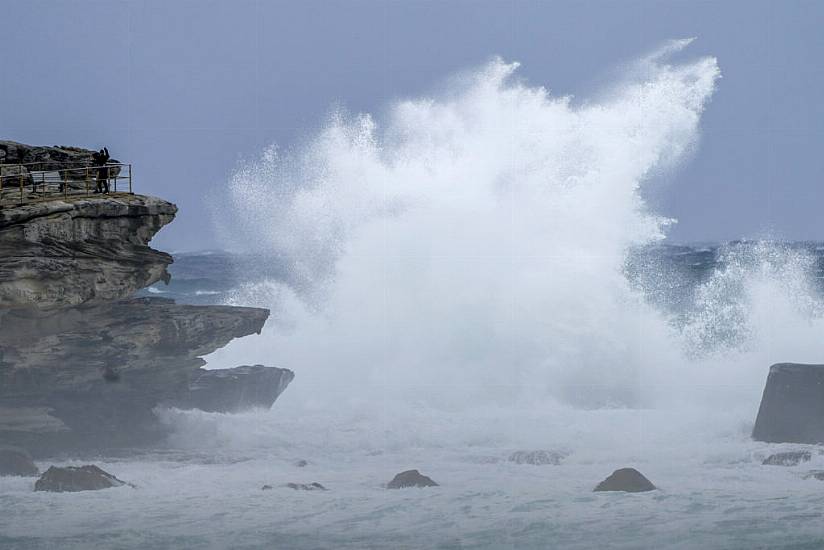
<point>537,458</point>
<point>306,486</point>
<point>301,463</point>
<point>266,488</point>
<point>628,480</point>
<point>76,478</point>
<point>410,478</point>
<point>792,406</point>
<point>16,462</point>
<point>790,458</point>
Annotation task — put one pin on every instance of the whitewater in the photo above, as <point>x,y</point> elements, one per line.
<point>472,273</point>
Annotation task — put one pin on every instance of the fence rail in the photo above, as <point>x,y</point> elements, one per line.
<point>22,183</point>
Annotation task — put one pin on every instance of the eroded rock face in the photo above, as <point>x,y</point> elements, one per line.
<point>628,480</point>
<point>792,406</point>
<point>90,377</point>
<point>81,250</point>
<point>76,478</point>
<point>17,462</point>
<point>410,478</point>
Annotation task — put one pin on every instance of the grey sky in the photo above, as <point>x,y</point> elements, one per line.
<point>184,89</point>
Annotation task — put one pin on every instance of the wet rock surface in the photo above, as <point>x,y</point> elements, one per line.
<point>410,478</point>
<point>628,480</point>
<point>76,478</point>
<point>789,458</point>
<point>537,458</point>
<point>792,406</point>
<point>17,462</point>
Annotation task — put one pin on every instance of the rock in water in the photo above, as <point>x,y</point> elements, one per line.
<point>76,478</point>
<point>537,458</point>
<point>16,462</point>
<point>235,390</point>
<point>628,480</point>
<point>410,478</point>
<point>792,407</point>
<point>306,486</point>
<point>791,458</point>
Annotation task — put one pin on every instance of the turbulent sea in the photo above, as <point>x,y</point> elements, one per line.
<point>477,273</point>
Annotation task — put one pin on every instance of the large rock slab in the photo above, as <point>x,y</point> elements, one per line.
<point>76,478</point>
<point>79,251</point>
<point>90,378</point>
<point>235,390</point>
<point>628,480</point>
<point>792,406</point>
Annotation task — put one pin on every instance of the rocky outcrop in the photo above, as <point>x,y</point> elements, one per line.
<point>91,377</point>
<point>83,367</point>
<point>53,157</point>
<point>628,480</point>
<point>235,390</point>
<point>76,478</point>
<point>410,478</point>
<point>80,250</point>
<point>16,462</point>
<point>792,406</point>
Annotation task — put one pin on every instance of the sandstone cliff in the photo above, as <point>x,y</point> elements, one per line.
<point>84,250</point>
<point>84,367</point>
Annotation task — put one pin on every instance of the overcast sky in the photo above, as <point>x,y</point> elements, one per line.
<point>184,89</point>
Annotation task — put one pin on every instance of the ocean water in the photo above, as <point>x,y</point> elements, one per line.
<point>474,273</point>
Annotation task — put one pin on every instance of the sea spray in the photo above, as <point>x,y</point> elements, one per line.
<point>470,248</point>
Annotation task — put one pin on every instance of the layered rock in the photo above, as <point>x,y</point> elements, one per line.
<point>83,367</point>
<point>87,250</point>
<point>792,406</point>
<point>88,378</point>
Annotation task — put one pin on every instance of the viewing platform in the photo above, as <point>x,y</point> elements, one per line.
<point>44,181</point>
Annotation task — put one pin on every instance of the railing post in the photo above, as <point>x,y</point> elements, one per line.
<point>130,179</point>
<point>21,185</point>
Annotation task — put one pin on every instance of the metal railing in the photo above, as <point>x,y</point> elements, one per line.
<point>26,185</point>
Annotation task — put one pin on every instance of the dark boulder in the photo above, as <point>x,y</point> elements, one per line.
<point>235,390</point>
<point>628,480</point>
<point>16,462</point>
<point>537,458</point>
<point>266,488</point>
<point>792,406</point>
<point>790,458</point>
<point>76,478</point>
<point>306,486</point>
<point>410,478</point>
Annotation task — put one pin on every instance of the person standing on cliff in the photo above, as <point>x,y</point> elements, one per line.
<point>100,159</point>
